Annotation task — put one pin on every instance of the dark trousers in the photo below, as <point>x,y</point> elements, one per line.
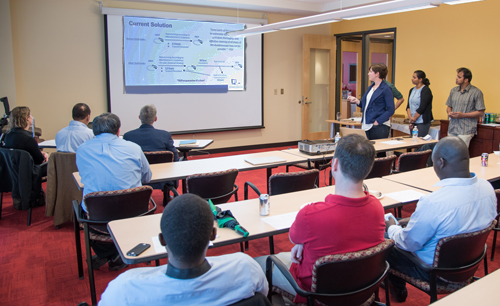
<point>378,132</point>
<point>423,129</point>
<point>403,264</point>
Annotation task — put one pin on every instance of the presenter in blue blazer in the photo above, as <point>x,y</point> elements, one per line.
<point>377,104</point>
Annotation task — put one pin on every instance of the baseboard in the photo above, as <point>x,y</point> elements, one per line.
<point>243,148</point>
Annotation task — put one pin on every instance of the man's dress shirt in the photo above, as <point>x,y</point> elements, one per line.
<point>462,205</point>
<point>151,139</point>
<point>468,101</point>
<point>71,137</point>
<point>231,278</point>
<point>108,163</point>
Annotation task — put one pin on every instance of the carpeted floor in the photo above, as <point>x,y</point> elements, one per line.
<point>38,262</point>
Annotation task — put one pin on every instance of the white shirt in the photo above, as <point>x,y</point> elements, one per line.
<point>463,205</point>
<point>231,278</point>
<point>72,136</point>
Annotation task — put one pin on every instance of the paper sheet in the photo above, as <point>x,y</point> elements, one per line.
<point>157,245</point>
<point>393,142</point>
<point>281,221</point>
<point>405,195</point>
<point>51,142</point>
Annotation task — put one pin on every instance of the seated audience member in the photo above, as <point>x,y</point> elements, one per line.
<point>464,204</point>
<point>348,221</point>
<point>18,137</point>
<point>71,137</point>
<point>149,138</point>
<point>189,278</point>
<point>108,163</point>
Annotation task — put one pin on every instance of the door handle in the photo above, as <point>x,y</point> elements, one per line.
<point>308,102</point>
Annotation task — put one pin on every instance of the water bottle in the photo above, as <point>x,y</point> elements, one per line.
<point>337,138</point>
<point>415,134</point>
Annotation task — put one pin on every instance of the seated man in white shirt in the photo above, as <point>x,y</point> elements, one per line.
<point>71,137</point>
<point>464,204</point>
<point>189,278</point>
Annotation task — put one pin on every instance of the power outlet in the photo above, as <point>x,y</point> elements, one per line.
<point>275,91</point>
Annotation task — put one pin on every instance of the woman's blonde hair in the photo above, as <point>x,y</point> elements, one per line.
<point>19,117</point>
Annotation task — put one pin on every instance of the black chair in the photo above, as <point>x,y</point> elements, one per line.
<point>103,207</point>
<point>21,176</point>
<point>456,259</point>
<point>280,183</point>
<point>497,228</point>
<point>216,186</point>
<point>161,157</point>
<point>412,161</point>
<point>342,279</point>
<point>382,167</point>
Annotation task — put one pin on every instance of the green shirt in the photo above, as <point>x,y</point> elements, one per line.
<point>395,91</point>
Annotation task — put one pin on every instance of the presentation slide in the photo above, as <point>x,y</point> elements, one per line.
<point>180,56</point>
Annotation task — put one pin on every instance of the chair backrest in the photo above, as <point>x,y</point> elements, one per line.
<point>382,167</point>
<point>412,160</point>
<point>117,204</point>
<point>217,186</point>
<point>353,276</point>
<point>280,183</point>
<point>19,175</point>
<point>459,255</point>
<point>497,192</point>
<point>159,157</point>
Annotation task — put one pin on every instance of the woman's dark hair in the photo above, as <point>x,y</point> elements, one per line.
<point>421,75</point>
<point>381,69</point>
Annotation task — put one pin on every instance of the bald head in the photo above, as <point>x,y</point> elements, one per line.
<point>451,158</point>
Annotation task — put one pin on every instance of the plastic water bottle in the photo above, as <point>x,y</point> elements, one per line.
<point>415,134</point>
<point>337,138</point>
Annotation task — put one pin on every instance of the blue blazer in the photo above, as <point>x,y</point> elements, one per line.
<point>381,106</point>
<point>151,139</point>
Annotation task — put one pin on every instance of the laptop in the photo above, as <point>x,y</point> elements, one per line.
<point>344,131</point>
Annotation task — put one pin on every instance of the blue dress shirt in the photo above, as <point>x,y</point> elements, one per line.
<point>462,205</point>
<point>108,163</point>
<point>231,278</point>
<point>72,136</point>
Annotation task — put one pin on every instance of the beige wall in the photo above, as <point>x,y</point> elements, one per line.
<point>59,61</point>
<point>440,40</point>
<point>7,81</point>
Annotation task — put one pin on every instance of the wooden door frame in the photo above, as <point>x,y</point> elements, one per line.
<point>311,41</point>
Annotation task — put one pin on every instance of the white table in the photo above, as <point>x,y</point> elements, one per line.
<point>405,128</point>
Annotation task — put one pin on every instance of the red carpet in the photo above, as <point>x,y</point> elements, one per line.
<point>38,262</point>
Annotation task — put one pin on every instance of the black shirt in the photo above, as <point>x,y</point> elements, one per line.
<point>21,139</point>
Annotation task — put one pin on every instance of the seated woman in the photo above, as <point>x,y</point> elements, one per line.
<point>419,107</point>
<point>18,137</point>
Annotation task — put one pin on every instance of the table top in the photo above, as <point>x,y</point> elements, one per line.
<point>126,235</point>
<point>345,122</point>
<point>181,170</point>
<point>202,144</point>
<point>380,145</point>
<point>426,178</point>
<point>481,292</point>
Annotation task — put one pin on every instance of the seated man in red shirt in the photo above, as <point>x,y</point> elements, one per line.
<point>348,221</point>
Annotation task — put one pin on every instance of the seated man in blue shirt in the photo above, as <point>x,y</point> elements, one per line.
<point>189,278</point>
<point>464,204</point>
<point>71,137</point>
<point>151,139</point>
<point>108,163</point>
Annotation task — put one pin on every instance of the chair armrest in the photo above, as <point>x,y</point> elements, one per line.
<point>152,210</point>
<point>171,188</point>
<point>78,211</point>
<point>286,273</point>
<point>245,188</point>
<point>417,261</point>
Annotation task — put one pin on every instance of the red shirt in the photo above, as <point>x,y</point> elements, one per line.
<point>338,225</point>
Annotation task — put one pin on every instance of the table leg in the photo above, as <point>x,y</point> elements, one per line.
<point>184,187</point>
<point>271,245</point>
<point>331,129</point>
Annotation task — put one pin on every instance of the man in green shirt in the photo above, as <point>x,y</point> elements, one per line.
<point>397,95</point>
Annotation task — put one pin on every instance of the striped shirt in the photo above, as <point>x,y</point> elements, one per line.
<point>470,100</point>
